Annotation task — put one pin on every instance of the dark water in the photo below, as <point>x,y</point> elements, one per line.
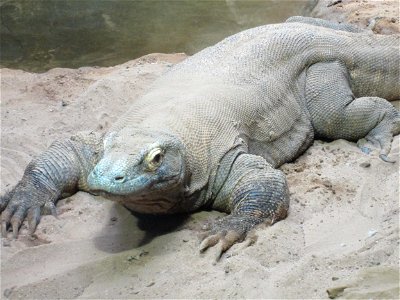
<point>37,35</point>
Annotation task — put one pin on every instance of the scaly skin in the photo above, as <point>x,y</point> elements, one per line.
<point>213,130</point>
<point>61,169</point>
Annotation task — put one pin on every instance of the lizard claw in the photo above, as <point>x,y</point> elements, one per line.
<point>17,219</point>
<point>226,232</point>
<point>33,219</point>
<point>385,158</point>
<point>5,220</point>
<point>16,224</point>
<point>365,150</point>
<point>3,229</point>
<point>4,200</point>
<point>367,144</point>
<point>210,241</point>
<point>50,209</point>
<point>223,240</point>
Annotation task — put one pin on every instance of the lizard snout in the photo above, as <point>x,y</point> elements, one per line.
<point>106,176</point>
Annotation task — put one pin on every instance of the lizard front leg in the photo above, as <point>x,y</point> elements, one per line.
<point>61,169</point>
<point>253,193</point>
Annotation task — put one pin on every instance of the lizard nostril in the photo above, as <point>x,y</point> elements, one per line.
<point>119,178</point>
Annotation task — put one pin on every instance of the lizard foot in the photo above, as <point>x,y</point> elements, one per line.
<point>226,232</point>
<point>381,136</point>
<point>369,144</point>
<point>23,203</point>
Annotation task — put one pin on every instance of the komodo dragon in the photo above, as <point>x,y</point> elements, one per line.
<point>213,130</point>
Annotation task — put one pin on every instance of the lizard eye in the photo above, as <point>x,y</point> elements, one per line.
<point>154,158</point>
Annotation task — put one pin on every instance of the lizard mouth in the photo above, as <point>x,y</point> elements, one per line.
<point>154,198</point>
<point>139,186</point>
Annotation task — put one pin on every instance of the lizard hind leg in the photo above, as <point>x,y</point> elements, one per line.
<point>381,136</point>
<point>337,114</point>
<point>253,193</point>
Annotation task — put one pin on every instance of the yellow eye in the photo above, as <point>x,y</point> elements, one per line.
<point>154,158</point>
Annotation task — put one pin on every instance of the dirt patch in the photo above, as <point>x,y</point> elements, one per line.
<point>379,16</point>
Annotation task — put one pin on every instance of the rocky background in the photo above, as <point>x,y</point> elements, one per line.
<point>380,16</point>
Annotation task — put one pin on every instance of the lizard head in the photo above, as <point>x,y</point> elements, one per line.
<point>139,164</point>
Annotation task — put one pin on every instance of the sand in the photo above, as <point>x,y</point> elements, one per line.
<point>380,16</point>
<point>341,234</point>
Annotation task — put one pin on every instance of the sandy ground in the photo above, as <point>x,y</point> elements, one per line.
<point>380,16</point>
<point>342,232</point>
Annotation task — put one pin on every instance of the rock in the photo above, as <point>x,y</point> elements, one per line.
<point>370,283</point>
<point>365,164</point>
<point>150,284</point>
<point>381,16</point>
<point>335,292</point>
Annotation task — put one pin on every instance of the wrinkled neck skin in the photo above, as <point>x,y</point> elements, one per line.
<point>142,169</point>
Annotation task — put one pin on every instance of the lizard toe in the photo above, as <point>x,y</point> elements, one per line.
<point>385,158</point>
<point>49,208</point>
<point>4,199</point>
<point>224,234</point>
<point>17,220</point>
<point>222,241</point>
<point>369,144</point>
<point>33,219</point>
<point>210,241</point>
<point>6,218</point>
